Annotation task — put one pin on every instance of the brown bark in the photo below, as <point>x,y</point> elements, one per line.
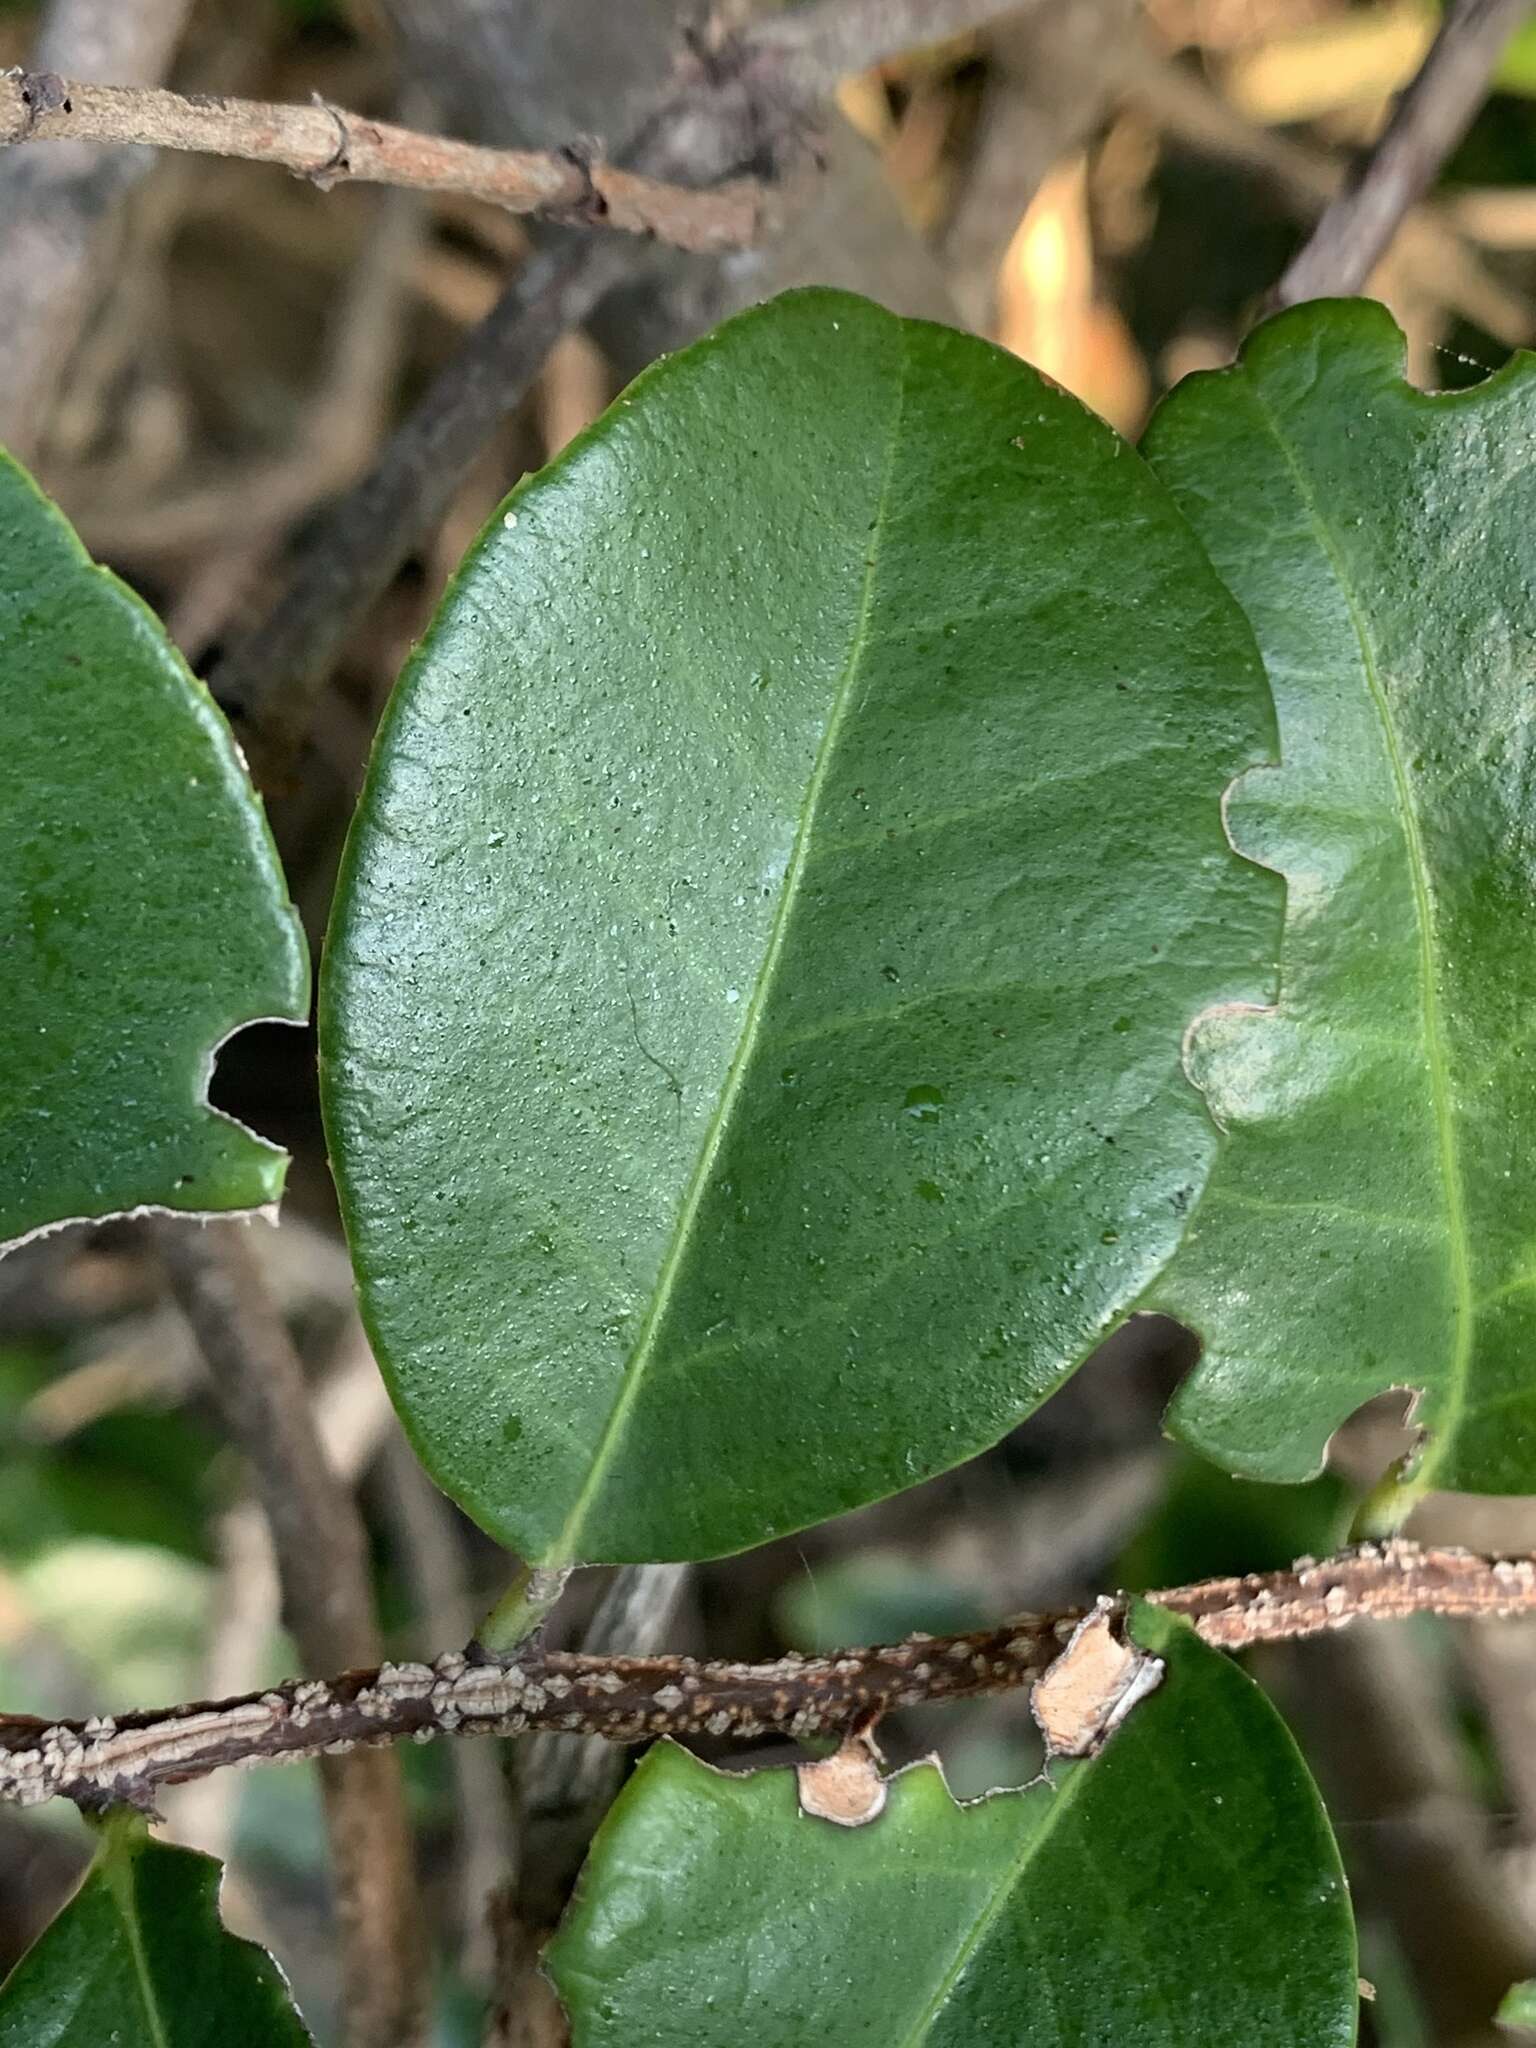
<point>634,1699</point>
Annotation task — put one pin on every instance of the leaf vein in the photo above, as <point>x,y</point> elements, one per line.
<point>565,1547</point>
<point>1423,896</point>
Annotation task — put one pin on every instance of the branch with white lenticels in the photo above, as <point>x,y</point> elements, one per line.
<point>99,1763</point>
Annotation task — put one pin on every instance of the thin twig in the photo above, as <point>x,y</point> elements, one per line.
<point>320,1546</point>
<point>1429,120</point>
<point>1046,90</point>
<point>1305,179</point>
<point>343,417</point>
<point>270,678</point>
<point>331,147</point>
<point>1404,1788</point>
<point>632,1699</point>
<point>352,1419</point>
<point>566,1787</point>
<point>246,1606</point>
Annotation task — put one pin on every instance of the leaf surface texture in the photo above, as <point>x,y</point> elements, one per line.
<point>753,1013</point>
<point>1372,1220</point>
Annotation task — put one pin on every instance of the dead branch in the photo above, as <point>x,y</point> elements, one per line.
<point>1307,181</point>
<point>1047,88</point>
<point>1398,1778</point>
<point>320,1547</point>
<point>102,1762</point>
<point>1429,120</point>
<point>331,147</point>
<point>260,498</point>
<point>423,1525</point>
<point>811,50</point>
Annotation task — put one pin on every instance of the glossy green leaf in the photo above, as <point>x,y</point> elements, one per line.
<point>751,1023</point>
<point>143,916</point>
<point>139,1958</point>
<point>1179,1890</point>
<point>1372,1220</point>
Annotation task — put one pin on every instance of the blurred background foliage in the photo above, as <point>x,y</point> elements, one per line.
<point>1109,189</point>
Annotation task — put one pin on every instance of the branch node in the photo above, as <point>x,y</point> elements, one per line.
<point>42,93</point>
<point>589,207</point>
<point>338,163</point>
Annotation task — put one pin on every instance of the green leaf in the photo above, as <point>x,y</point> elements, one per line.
<point>143,916</point>
<point>140,1958</point>
<point>752,1016</point>
<point>1179,1890</point>
<point>1372,1220</point>
<point>1517,2008</point>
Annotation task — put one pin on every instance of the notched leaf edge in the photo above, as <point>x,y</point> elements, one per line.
<point>143,617</point>
<point>265,1212</point>
<point>1372,324</point>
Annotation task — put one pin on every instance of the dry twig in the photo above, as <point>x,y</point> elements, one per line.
<point>1378,1728</point>
<point>1307,181</point>
<point>564,1789</point>
<point>822,43</point>
<point>633,1699</point>
<point>269,680</point>
<point>428,1541</point>
<point>255,501</point>
<point>1430,119</point>
<point>320,1547</point>
<point>331,147</point>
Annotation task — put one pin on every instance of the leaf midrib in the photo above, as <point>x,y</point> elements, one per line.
<point>120,1882</point>
<point>1458,1247</point>
<point>565,1549</point>
<point>989,1915</point>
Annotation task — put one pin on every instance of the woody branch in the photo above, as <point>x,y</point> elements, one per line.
<point>98,1763</point>
<point>322,143</point>
<point>800,58</point>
